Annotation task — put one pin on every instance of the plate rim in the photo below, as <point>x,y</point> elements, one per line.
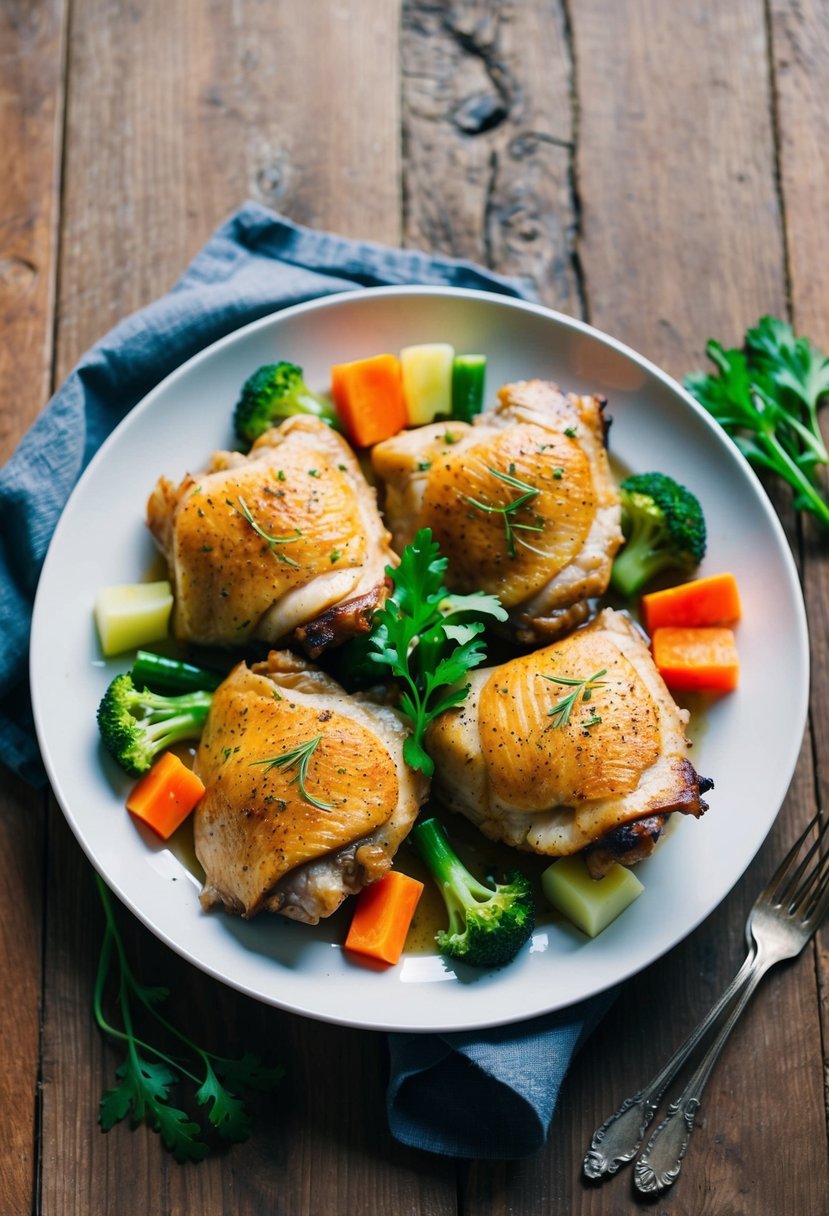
<point>334,300</point>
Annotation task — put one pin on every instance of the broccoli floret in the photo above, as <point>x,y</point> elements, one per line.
<point>272,393</point>
<point>487,925</point>
<point>664,529</point>
<point>137,724</point>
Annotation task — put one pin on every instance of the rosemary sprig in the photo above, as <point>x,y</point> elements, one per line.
<point>244,510</point>
<point>582,689</point>
<point>508,510</point>
<point>299,758</point>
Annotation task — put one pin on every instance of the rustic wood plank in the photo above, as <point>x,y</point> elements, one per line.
<point>681,233</point>
<point>178,113</point>
<point>175,115</point>
<point>31,109</point>
<point>800,60</point>
<point>21,893</point>
<point>31,106</point>
<point>488,131</point>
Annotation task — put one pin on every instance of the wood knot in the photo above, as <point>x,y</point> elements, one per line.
<point>479,112</point>
<point>17,273</point>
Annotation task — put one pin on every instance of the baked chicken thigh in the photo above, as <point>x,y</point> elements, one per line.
<point>307,795</point>
<point>577,746</point>
<point>284,541</point>
<point>522,503</point>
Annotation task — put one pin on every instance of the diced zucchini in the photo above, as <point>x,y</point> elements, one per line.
<point>132,614</point>
<point>468,382</point>
<point>427,381</point>
<point>591,904</point>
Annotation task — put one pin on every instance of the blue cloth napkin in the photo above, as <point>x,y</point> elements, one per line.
<point>255,263</point>
<point>485,1094</point>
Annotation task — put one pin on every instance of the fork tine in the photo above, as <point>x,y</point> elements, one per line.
<point>803,901</point>
<point>788,873</point>
<point>816,899</point>
<point>820,901</point>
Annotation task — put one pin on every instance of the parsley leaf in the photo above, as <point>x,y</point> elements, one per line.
<point>766,396</point>
<point>147,1076</point>
<point>428,640</point>
<point>227,1113</point>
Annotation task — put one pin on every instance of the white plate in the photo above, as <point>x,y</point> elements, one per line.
<point>750,744</point>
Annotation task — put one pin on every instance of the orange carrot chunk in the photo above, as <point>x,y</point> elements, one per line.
<point>368,395</point>
<point>382,917</point>
<point>696,659</point>
<point>166,795</point>
<point>712,600</point>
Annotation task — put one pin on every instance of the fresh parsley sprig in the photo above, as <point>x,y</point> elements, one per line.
<point>148,1073</point>
<point>428,640</point>
<point>766,396</point>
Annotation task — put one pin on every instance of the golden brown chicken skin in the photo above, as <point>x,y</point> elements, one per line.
<point>307,796</point>
<point>286,540</point>
<point>556,750</point>
<point>522,504</point>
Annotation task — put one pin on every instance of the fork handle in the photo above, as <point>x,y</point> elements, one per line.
<point>618,1139</point>
<point>660,1163</point>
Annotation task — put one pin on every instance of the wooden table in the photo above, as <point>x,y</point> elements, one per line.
<point>658,168</point>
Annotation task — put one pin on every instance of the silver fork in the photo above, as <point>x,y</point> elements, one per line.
<point>784,917</point>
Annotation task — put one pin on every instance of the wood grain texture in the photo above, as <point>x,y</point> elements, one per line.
<point>800,60</point>
<point>21,948</point>
<point>31,106</point>
<point>688,141</point>
<point>31,109</point>
<point>800,63</point>
<point>681,230</point>
<point>488,129</point>
<point>179,112</point>
<point>765,1090</point>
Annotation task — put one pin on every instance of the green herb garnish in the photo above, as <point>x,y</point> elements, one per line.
<point>508,510</point>
<point>298,757</point>
<point>145,1078</point>
<point>273,541</point>
<point>582,690</point>
<point>428,639</point>
<point>766,396</point>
